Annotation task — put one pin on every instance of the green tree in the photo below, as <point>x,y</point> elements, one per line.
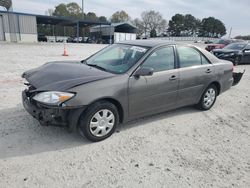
<point>153,33</point>
<point>247,37</point>
<point>212,27</point>
<point>69,10</point>
<point>191,25</point>
<point>176,25</point>
<point>120,16</point>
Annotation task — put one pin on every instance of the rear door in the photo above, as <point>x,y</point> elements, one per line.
<point>196,72</point>
<point>158,92</point>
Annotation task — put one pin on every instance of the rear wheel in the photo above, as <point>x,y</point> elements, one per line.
<point>99,121</point>
<point>208,98</point>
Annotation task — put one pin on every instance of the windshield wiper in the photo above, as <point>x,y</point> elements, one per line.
<point>96,66</point>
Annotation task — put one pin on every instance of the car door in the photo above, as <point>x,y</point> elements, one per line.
<point>196,72</point>
<point>158,92</point>
<point>246,54</point>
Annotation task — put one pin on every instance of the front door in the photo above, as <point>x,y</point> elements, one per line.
<point>158,92</point>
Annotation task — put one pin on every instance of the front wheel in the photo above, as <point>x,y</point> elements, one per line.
<point>99,121</point>
<point>208,98</point>
<point>237,60</point>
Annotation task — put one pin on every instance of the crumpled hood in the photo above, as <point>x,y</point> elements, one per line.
<point>63,75</point>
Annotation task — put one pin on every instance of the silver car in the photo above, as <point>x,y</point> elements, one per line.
<point>122,82</point>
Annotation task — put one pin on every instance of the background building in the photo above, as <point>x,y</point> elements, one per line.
<point>18,27</point>
<point>116,31</point>
<point>22,27</point>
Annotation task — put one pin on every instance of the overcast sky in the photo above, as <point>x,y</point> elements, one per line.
<point>234,13</point>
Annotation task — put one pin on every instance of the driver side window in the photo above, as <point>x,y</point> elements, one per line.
<point>160,60</point>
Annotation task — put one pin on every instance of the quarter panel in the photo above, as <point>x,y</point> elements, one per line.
<point>193,81</point>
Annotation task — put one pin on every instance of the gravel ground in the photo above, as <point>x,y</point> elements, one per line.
<point>181,148</point>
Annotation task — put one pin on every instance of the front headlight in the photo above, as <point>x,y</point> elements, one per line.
<point>53,97</point>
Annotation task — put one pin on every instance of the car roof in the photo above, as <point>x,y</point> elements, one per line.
<point>148,43</point>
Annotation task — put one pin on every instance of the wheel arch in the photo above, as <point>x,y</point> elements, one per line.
<point>218,86</point>
<point>114,102</point>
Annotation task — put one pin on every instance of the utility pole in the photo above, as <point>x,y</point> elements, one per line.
<point>230,33</point>
<point>83,9</point>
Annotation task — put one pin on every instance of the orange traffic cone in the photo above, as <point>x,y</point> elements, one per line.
<point>65,51</point>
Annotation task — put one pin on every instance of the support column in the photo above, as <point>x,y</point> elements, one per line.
<point>110,37</point>
<point>77,32</point>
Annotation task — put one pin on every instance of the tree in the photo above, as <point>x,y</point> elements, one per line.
<point>69,10</point>
<point>191,25</point>
<point>103,19</point>
<point>49,12</point>
<point>61,10</point>
<point>74,10</point>
<point>153,33</point>
<point>120,16</point>
<point>176,25</point>
<point>211,27</point>
<point>247,37</point>
<point>153,22</point>
<point>139,25</point>
<point>91,16</point>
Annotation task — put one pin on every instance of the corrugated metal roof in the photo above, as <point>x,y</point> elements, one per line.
<point>116,25</point>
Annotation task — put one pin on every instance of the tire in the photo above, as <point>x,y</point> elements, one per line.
<point>208,98</point>
<point>99,121</point>
<point>237,60</point>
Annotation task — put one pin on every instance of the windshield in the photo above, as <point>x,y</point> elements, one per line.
<point>236,46</point>
<point>117,58</point>
<point>219,41</point>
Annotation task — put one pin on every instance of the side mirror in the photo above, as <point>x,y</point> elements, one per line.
<point>144,71</point>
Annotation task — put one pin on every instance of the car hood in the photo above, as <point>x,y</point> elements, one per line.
<point>63,75</point>
<point>225,50</point>
<point>216,45</point>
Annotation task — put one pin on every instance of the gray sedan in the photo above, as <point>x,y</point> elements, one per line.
<point>122,82</point>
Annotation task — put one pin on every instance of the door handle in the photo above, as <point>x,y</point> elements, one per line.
<point>173,77</point>
<point>208,71</point>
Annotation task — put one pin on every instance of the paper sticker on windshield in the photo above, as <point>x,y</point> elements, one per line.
<point>138,49</point>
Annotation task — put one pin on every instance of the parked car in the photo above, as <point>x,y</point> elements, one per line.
<point>42,38</point>
<point>235,52</point>
<point>198,41</point>
<point>208,42</point>
<point>70,39</point>
<point>218,44</point>
<point>123,82</point>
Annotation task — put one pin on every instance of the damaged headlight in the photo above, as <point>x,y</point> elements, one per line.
<point>53,97</point>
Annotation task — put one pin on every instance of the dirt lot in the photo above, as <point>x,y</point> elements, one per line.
<point>182,148</point>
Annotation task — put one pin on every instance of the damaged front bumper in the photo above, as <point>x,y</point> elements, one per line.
<point>56,116</point>
<point>237,77</point>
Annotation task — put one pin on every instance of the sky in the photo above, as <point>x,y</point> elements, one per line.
<point>233,13</point>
